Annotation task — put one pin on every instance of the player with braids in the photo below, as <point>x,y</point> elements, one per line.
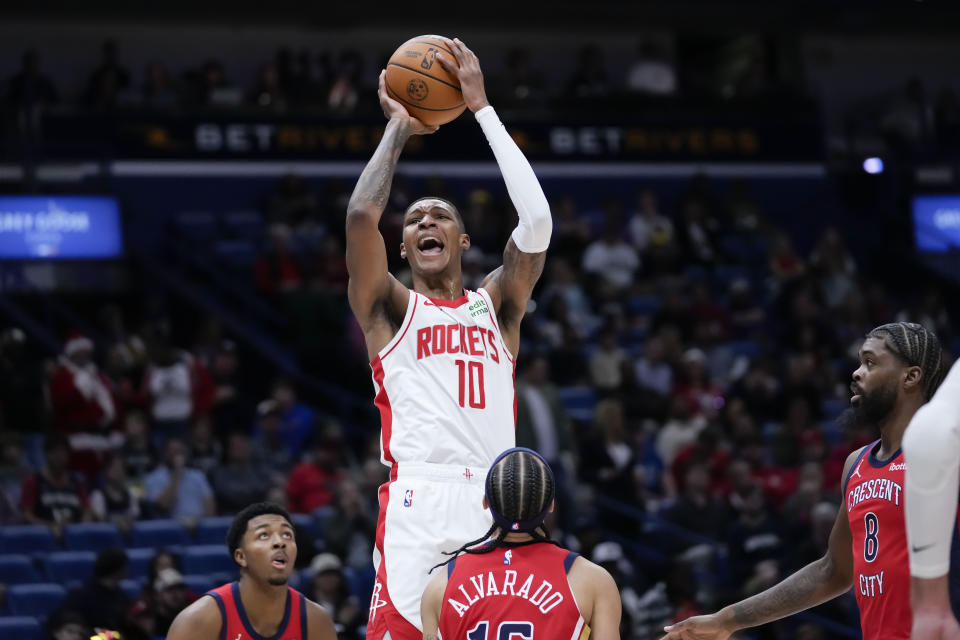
<point>514,581</point>
<point>900,370</point>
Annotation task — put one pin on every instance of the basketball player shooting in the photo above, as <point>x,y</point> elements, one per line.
<point>514,581</point>
<point>931,448</point>
<point>900,369</point>
<point>442,357</point>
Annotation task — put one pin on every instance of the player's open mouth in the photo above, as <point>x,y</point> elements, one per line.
<point>430,246</point>
<point>857,394</point>
<point>279,562</point>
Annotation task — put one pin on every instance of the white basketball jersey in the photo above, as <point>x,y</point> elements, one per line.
<point>444,384</point>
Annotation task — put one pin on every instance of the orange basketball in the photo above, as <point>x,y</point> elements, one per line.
<point>417,81</point>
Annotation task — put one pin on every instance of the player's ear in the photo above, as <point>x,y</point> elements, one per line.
<point>464,241</point>
<point>552,504</point>
<point>486,505</point>
<point>913,377</point>
<point>403,251</point>
<point>240,557</point>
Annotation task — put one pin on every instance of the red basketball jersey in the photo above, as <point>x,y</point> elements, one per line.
<point>881,567</point>
<point>512,593</point>
<point>236,625</point>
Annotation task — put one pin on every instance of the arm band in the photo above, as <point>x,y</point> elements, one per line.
<point>931,449</point>
<point>532,234</point>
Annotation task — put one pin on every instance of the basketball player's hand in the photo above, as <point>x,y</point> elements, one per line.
<point>468,73</point>
<point>934,625</point>
<point>394,110</point>
<point>710,627</point>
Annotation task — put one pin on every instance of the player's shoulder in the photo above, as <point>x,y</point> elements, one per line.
<point>201,620</point>
<point>319,623</point>
<point>590,583</point>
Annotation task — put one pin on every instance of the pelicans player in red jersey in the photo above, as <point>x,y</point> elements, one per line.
<point>900,369</point>
<point>442,357</point>
<point>520,585</point>
<point>260,604</point>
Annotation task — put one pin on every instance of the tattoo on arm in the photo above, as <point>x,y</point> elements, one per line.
<point>804,589</point>
<point>373,187</point>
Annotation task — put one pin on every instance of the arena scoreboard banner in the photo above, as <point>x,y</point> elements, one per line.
<point>57,227</point>
<point>668,137</point>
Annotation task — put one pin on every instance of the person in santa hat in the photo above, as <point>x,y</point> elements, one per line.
<point>84,409</point>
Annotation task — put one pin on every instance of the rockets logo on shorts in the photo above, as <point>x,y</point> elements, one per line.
<point>408,498</point>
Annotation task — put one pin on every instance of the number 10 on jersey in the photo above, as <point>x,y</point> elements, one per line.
<point>471,384</point>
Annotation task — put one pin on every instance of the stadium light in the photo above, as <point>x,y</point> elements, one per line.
<point>873,166</point>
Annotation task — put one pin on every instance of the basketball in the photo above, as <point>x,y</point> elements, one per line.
<point>417,81</point>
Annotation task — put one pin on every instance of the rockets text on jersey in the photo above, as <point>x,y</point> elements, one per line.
<point>873,493</point>
<point>444,384</point>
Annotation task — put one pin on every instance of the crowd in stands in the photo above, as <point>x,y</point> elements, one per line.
<point>682,368</point>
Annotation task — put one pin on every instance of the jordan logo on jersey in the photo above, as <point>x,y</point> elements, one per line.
<point>856,471</point>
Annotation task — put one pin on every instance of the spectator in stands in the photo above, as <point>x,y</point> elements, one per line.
<point>652,72</point>
<point>652,372</point>
<point>67,625</point>
<point>271,450</point>
<point>161,560</point>
<point>269,93</point>
<point>113,501</point>
<point>711,322</point>
<point>753,538</point>
<point>695,387</point>
<point>328,588</point>
<point>564,282</point>
<point>345,87</point>
<point>231,408</point>
<point>138,454</point>
<point>296,419</point>
<point>520,85</point>
<point>352,528</point>
<point>206,452</point>
<point>103,603</point>
<point>589,79</point>
<point>543,423</point>
<point>83,406</point>
<point>171,597</point>
<point>238,482</point>
<point>312,483</point>
<point>140,623</point>
<point>22,384</point>
<point>648,228</point>
<point>13,468</point>
<point>696,230</point>
<point>177,387</point>
<point>29,91</point>
<point>607,362</point>
<point>784,263</point>
<point>330,267</point>
<point>217,90</point>
<point>277,269</point>
<point>609,461</point>
<point>159,90</point>
<point>611,258</point>
<point>54,496</point>
<point>696,509</point>
<point>747,315</point>
<point>290,201</point>
<point>108,80</point>
<point>680,430</point>
<point>571,231</point>
<point>175,490</point>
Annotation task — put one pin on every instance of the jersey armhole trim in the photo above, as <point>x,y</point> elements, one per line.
<point>304,627</point>
<point>450,568</point>
<point>483,293</point>
<point>569,560</point>
<point>223,613</point>
<point>407,321</point>
<point>853,466</point>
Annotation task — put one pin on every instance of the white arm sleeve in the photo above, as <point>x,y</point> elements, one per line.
<point>931,449</point>
<point>532,234</point>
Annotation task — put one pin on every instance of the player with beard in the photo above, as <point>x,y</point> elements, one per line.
<point>900,369</point>
<point>260,604</point>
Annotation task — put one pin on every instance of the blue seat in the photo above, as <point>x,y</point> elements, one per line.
<point>139,561</point>
<point>91,536</point>
<point>196,226</point>
<point>17,569</point>
<point>833,407</point>
<point>132,588</point>
<point>243,224</point>
<point>199,583</point>
<point>206,559</point>
<point>360,582</point>
<point>642,305</point>
<point>62,566</point>
<point>212,530</point>
<point>37,600</point>
<point>237,254</point>
<point>27,538</point>
<point>158,533</point>
<point>20,628</point>
<point>578,401</point>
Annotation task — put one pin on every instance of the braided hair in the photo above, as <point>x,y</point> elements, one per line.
<point>918,347</point>
<point>520,490</point>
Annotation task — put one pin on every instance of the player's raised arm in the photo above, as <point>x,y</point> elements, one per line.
<point>430,605</point>
<point>817,582</point>
<point>371,286</point>
<point>511,285</point>
<point>597,597</point>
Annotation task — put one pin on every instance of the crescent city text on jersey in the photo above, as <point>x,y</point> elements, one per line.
<point>875,489</point>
